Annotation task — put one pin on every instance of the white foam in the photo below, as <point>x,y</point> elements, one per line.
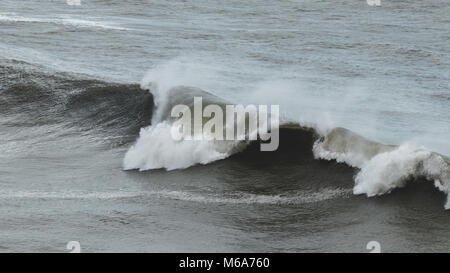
<point>60,21</point>
<point>67,195</point>
<point>388,170</point>
<point>157,149</point>
<point>293,198</point>
<point>352,159</point>
<point>382,167</point>
<point>161,79</point>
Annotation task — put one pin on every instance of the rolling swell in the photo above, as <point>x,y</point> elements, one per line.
<point>31,97</point>
<point>125,107</point>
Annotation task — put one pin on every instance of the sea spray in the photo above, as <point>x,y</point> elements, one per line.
<point>383,168</point>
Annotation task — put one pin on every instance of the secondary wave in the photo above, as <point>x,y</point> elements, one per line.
<point>383,167</point>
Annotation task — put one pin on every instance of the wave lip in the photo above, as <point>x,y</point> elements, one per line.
<point>156,149</point>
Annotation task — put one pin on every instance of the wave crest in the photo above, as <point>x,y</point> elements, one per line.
<point>383,168</point>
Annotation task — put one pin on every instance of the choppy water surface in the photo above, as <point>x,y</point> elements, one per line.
<point>72,106</point>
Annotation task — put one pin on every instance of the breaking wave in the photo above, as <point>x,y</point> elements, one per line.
<point>381,168</point>
<point>294,198</point>
<point>29,97</point>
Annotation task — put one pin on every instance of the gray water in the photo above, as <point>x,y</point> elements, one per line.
<point>383,72</point>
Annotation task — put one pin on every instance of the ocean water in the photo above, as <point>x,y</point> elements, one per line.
<point>364,150</point>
